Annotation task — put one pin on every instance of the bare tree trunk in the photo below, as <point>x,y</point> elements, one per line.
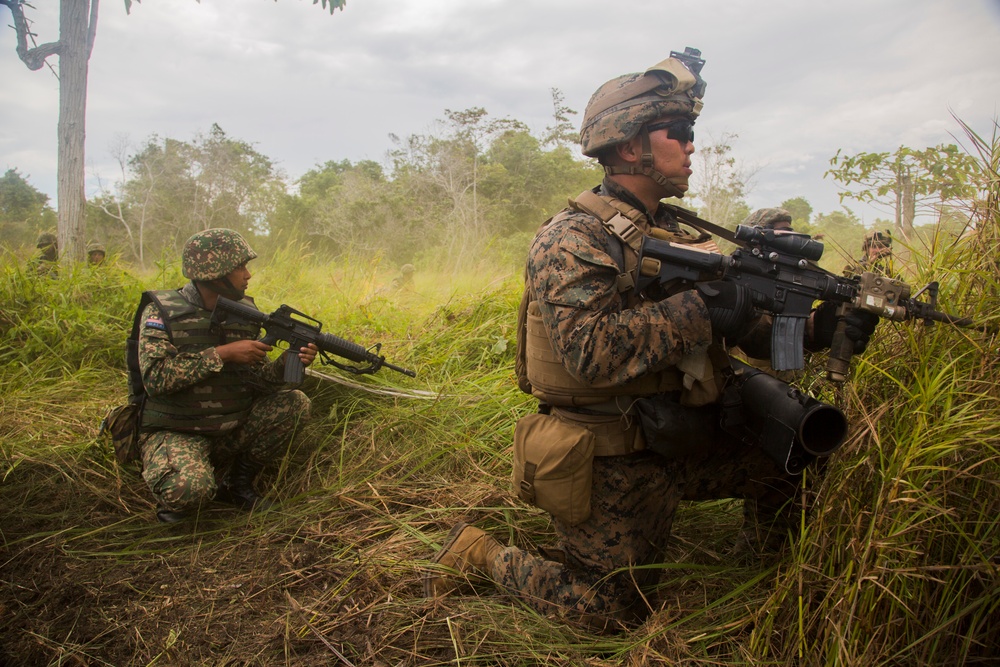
<point>77,20</point>
<point>909,207</point>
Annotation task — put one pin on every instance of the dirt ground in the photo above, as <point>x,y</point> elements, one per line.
<point>91,579</point>
<point>86,582</point>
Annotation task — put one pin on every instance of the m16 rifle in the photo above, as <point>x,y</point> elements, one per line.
<point>298,330</point>
<point>780,268</point>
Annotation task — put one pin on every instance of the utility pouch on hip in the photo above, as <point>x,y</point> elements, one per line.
<point>553,466</point>
<point>673,430</point>
<point>122,425</point>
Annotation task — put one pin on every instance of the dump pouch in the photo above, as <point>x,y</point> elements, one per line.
<point>673,430</point>
<point>553,466</point>
<point>122,425</point>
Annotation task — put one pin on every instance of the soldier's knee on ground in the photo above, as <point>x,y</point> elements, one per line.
<point>299,404</point>
<point>181,491</point>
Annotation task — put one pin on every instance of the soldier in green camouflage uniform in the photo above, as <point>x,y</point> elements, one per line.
<point>95,253</point>
<point>217,410</point>
<point>639,126</point>
<point>44,263</point>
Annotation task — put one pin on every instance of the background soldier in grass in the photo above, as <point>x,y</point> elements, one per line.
<point>95,253</point>
<point>877,254</point>
<point>597,356</point>
<point>45,261</point>
<point>217,410</point>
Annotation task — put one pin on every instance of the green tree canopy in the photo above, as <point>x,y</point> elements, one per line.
<point>801,211</point>
<point>907,181</point>
<point>24,210</point>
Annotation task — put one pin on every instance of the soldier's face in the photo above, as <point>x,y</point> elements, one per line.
<point>239,277</point>
<point>671,156</point>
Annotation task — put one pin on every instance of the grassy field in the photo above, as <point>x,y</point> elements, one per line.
<point>898,562</point>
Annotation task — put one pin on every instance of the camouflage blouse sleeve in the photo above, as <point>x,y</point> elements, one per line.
<point>574,277</point>
<point>164,369</point>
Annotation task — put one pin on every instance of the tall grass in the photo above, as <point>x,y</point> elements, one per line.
<point>896,563</point>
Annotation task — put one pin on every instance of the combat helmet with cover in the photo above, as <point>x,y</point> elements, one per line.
<point>620,109</point>
<point>212,254</point>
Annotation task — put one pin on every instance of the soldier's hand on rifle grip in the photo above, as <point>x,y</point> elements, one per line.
<point>845,330</point>
<point>243,351</point>
<point>730,307</point>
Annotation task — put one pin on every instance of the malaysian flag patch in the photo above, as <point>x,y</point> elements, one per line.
<point>155,323</point>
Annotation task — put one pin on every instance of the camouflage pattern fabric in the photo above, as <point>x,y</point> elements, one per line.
<point>183,470</point>
<point>46,239</point>
<point>213,253</point>
<point>769,218</point>
<point>596,577</point>
<point>620,107</point>
<point>166,370</point>
<point>45,263</point>
<point>180,467</point>
<point>573,268</point>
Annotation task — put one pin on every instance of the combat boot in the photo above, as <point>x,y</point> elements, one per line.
<point>164,515</point>
<point>237,489</point>
<point>466,551</point>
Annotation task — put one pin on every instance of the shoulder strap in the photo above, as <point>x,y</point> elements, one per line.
<point>700,224</point>
<point>620,220</point>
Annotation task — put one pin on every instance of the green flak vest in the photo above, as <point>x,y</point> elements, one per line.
<point>214,405</point>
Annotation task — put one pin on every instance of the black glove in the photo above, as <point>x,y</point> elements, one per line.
<point>860,326</point>
<point>730,307</point>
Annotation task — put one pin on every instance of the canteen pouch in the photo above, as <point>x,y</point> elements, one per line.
<point>553,466</point>
<point>122,424</point>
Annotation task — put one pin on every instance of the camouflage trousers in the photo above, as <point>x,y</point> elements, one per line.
<point>597,573</point>
<point>183,469</point>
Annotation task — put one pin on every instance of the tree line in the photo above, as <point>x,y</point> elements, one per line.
<point>472,182</point>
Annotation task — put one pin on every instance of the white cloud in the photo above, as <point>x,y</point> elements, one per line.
<point>796,81</point>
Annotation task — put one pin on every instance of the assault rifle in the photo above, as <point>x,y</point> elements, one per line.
<point>780,268</point>
<point>298,330</point>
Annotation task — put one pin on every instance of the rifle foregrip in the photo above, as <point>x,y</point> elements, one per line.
<point>838,362</point>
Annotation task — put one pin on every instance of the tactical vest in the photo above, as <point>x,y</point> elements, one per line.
<point>539,370</point>
<point>541,373</point>
<point>218,403</point>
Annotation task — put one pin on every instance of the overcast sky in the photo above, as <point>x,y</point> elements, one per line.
<point>796,80</point>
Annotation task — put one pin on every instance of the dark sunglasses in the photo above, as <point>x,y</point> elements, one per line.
<point>681,130</point>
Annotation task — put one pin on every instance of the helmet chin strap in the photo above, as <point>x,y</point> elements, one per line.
<point>646,169</point>
<point>224,287</point>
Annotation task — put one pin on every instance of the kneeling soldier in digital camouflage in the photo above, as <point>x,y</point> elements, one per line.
<point>598,355</point>
<point>217,410</point>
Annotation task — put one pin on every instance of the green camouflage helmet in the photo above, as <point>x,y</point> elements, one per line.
<point>214,253</point>
<point>94,246</point>
<point>769,218</point>
<point>620,107</point>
